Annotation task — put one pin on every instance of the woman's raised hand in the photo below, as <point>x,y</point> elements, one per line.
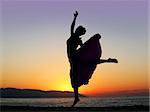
<point>76,14</point>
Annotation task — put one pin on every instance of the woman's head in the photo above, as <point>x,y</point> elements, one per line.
<point>80,30</point>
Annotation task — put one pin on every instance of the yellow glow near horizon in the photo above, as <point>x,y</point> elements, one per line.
<point>65,87</point>
<point>47,76</point>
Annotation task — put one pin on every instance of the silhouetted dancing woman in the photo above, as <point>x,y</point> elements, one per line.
<point>81,71</point>
<point>72,44</point>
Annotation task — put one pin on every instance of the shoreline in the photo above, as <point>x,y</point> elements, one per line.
<point>137,108</point>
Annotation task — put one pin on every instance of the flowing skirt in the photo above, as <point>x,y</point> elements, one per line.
<point>87,57</point>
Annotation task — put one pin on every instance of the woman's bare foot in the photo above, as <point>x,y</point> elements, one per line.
<point>75,102</point>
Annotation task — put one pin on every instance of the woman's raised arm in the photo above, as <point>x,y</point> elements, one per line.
<point>73,23</point>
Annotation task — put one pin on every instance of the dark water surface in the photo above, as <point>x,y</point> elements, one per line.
<point>84,101</point>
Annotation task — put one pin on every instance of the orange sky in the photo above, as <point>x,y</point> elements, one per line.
<point>54,75</point>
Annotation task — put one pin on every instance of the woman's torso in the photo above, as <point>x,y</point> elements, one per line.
<point>72,44</point>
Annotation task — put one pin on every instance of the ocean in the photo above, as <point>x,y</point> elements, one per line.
<point>84,101</point>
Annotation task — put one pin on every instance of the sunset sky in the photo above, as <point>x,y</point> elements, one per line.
<point>34,34</point>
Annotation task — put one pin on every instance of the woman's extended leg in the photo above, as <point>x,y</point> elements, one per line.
<point>76,96</point>
<point>110,60</point>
